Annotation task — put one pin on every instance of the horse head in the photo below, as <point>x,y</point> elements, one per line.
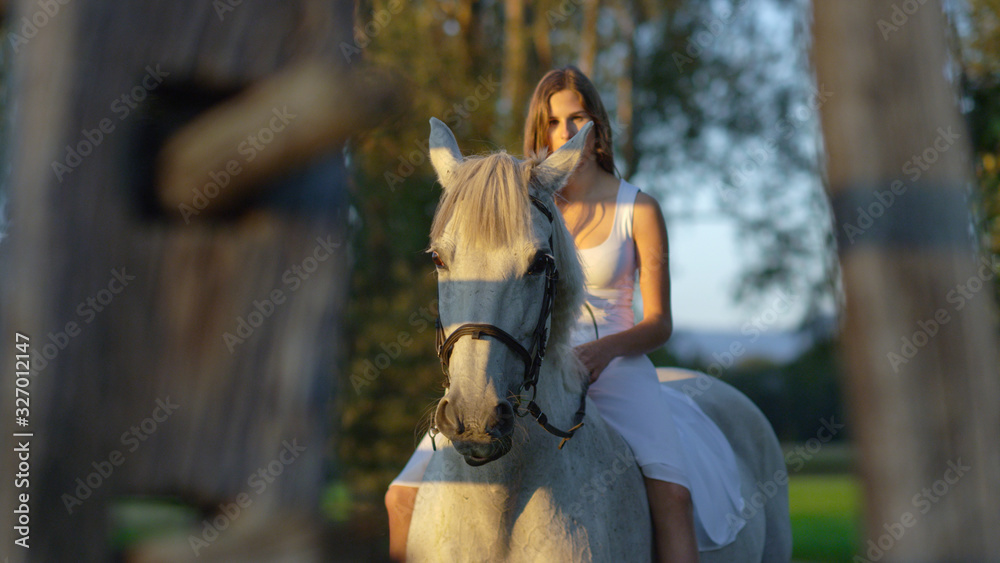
<point>509,284</point>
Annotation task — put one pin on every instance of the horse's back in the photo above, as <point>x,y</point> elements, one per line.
<point>764,479</point>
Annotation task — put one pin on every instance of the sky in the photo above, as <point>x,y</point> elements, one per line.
<point>706,254</point>
<point>705,266</point>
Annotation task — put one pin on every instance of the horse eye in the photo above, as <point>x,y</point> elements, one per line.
<point>438,263</point>
<point>539,264</point>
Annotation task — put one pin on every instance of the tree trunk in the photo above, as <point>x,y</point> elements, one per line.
<point>540,28</point>
<point>626,132</point>
<point>919,338</point>
<point>172,354</point>
<point>588,37</point>
<point>513,88</point>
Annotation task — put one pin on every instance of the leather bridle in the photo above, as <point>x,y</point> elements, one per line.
<point>532,356</point>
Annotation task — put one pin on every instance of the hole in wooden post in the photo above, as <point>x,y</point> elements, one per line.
<point>137,520</point>
<point>232,183</point>
<point>172,106</point>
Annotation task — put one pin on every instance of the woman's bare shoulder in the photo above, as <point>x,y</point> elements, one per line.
<point>647,216</point>
<point>647,205</point>
<point>642,198</point>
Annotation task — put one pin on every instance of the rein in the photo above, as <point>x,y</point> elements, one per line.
<point>532,358</point>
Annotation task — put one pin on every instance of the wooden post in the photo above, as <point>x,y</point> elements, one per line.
<point>172,353</point>
<point>920,334</point>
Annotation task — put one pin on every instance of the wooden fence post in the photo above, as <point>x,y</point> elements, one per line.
<point>920,339</point>
<point>176,350</point>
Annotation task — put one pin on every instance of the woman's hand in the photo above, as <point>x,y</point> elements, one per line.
<point>595,356</point>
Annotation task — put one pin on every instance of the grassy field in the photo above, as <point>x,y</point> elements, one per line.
<point>825,511</point>
<point>825,517</point>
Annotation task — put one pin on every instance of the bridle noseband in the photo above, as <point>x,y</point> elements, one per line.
<point>531,356</point>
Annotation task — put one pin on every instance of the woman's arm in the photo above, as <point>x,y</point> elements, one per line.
<point>649,231</point>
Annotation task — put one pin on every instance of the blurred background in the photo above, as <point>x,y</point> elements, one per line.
<point>715,111</point>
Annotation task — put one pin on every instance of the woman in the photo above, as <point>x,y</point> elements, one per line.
<point>619,231</point>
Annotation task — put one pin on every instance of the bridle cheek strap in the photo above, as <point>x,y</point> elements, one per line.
<point>532,359</point>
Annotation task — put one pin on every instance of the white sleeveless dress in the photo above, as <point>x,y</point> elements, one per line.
<point>672,438</point>
<point>686,447</point>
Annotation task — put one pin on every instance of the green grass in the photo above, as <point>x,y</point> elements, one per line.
<point>138,519</point>
<point>825,512</point>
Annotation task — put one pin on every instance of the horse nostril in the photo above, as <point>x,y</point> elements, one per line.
<point>502,422</point>
<point>447,423</point>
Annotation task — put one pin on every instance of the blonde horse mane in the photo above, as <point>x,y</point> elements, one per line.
<point>488,204</point>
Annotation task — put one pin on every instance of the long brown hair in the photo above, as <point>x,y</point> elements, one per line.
<point>536,126</point>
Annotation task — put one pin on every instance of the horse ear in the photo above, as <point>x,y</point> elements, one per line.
<point>555,170</point>
<point>445,154</point>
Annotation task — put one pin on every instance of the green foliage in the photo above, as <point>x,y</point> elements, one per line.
<point>980,58</point>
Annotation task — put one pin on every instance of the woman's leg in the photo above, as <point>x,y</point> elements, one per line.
<point>673,521</point>
<point>399,500</point>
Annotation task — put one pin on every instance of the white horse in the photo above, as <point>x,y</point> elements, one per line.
<point>498,488</point>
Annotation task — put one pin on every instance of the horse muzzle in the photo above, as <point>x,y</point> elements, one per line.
<point>483,439</point>
<point>477,453</point>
